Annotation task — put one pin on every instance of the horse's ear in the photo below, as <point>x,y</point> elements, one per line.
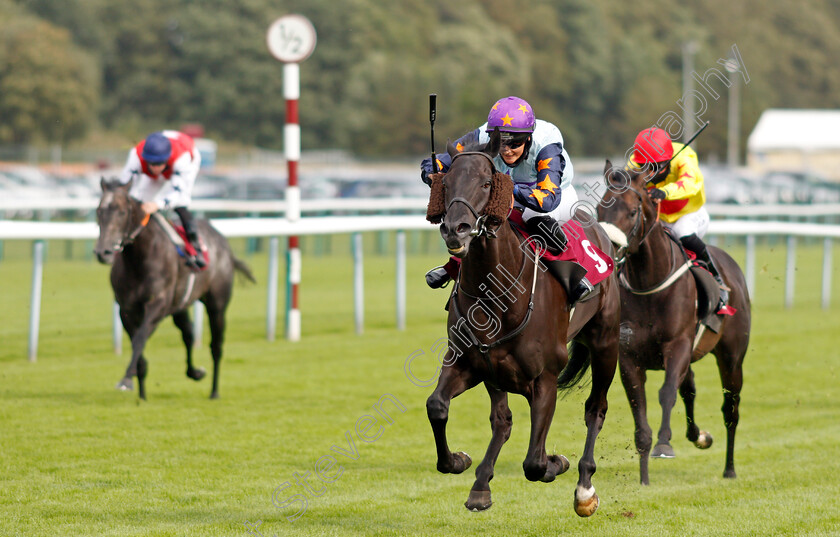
<point>607,167</point>
<point>495,143</point>
<point>102,183</point>
<point>451,149</point>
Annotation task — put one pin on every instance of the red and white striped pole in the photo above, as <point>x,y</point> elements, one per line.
<point>291,147</point>
<point>291,39</point>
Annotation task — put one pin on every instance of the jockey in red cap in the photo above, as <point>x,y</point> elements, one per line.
<point>677,187</point>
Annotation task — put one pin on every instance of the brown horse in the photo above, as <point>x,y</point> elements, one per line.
<point>661,327</point>
<point>514,340</point>
<point>151,281</point>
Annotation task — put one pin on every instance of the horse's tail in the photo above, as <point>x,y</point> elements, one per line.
<point>579,359</point>
<point>244,269</point>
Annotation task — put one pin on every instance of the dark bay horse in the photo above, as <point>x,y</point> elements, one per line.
<point>151,281</point>
<point>660,328</point>
<point>516,340</point>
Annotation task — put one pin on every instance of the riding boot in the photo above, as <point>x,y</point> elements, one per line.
<point>696,245</point>
<point>581,291</point>
<point>548,232</point>
<point>192,236</point>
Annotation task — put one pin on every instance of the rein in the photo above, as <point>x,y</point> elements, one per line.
<point>674,272</point>
<point>127,237</point>
<point>484,348</point>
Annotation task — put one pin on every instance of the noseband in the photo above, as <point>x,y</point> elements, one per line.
<point>481,227</point>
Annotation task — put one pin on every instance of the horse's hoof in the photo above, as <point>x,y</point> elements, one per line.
<point>214,395</point>
<point>125,384</point>
<point>704,441</point>
<point>557,464</point>
<point>197,373</point>
<point>662,451</point>
<point>458,462</point>
<point>479,500</point>
<point>586,502</point>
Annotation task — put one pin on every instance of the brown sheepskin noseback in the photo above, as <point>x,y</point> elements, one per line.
<point>437,206</point>
<point>501,194</point>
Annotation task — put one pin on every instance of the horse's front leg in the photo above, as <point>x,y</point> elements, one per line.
<point>453,381</point>
<point>501,420</point>
<point>537,465</point>
<point>633,377</point>
<point>677,359</point>
<point>152,315</point>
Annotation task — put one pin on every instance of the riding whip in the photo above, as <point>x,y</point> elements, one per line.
<point>432,113</point>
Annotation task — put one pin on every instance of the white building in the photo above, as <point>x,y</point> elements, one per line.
<point>796,140</point>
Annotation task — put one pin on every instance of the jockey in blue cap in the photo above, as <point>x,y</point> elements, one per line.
<point>164,167</point>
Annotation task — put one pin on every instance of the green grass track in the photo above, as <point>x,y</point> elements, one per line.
<point>78,457</point>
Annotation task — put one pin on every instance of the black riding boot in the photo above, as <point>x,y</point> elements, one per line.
<point>192,236</point>
<point>549,233</point>
<point>695,244</point>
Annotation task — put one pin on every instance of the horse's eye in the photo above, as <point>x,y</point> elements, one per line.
<point>634,212</point>
<point>486,185</point>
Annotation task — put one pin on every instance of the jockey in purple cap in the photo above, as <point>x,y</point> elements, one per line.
<point>532,153</point>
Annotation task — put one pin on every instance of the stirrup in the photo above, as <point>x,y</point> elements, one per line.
<point>438,278</point>
<point>582,291</point>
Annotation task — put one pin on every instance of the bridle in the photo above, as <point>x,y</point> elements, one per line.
<point>674,272</point>
<point>481,227</point>
<point>129,233</point>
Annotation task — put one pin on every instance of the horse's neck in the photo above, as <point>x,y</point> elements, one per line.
<point>494,268</point>
<point>146,242</point>
<point>653,261</point>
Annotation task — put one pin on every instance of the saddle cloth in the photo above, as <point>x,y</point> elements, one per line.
<point>579,249</point>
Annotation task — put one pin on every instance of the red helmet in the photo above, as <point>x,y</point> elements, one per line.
<point>652,145</point>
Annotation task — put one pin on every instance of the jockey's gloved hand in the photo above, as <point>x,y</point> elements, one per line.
<point>426,170</point>
<point>657,194</point>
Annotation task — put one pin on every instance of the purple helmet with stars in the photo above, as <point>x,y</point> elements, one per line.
<point>511,114</point>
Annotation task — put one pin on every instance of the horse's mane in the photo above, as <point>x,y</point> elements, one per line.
<point>111,184</point>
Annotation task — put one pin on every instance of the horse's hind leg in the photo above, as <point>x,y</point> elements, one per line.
<point>731,376</point>
<point>142,371</point>
<point>182,321</point>
<point>688,391</point>
<point>501,420</point>
<point>216,314</point>
<point>633,378</point>
<point>538,465</point>
<point>452,382</point>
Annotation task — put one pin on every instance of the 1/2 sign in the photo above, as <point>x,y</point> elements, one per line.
<point>291,38</point>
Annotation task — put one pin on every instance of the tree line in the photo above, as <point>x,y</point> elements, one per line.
<point>600,69</point>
